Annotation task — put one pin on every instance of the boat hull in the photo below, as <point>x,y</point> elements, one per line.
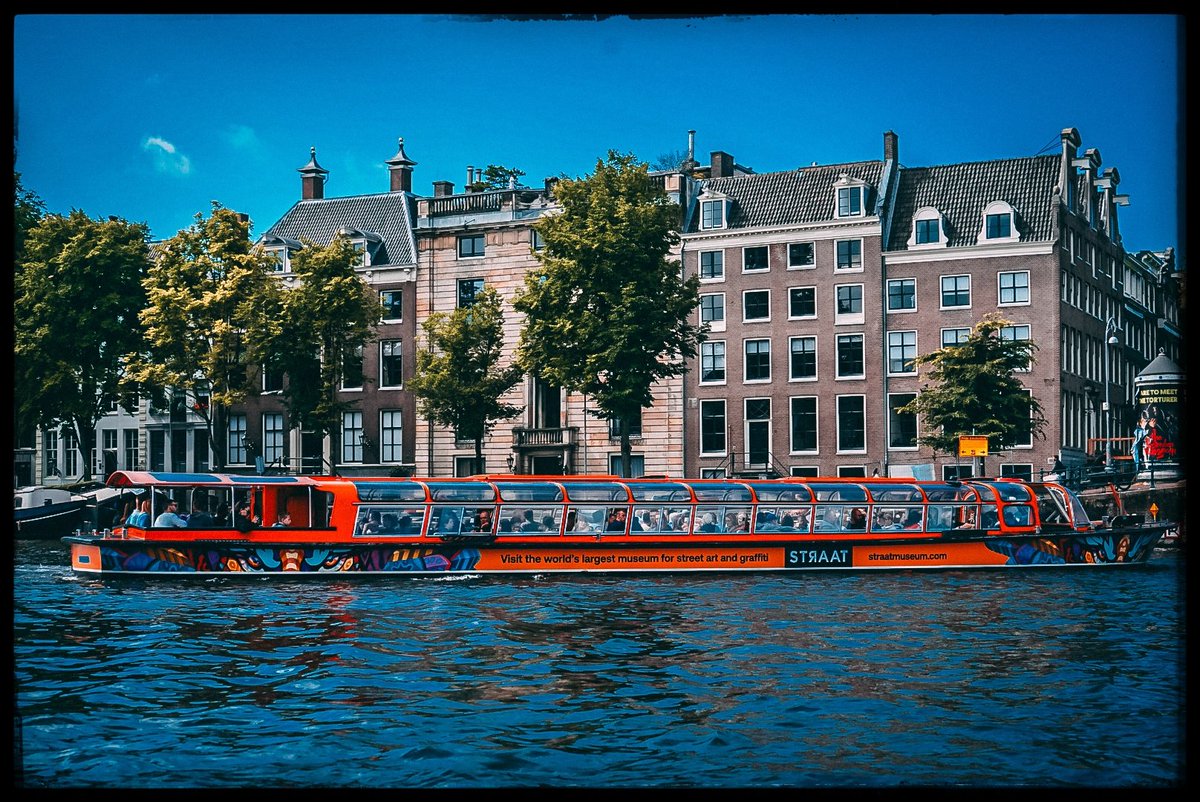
<point>110,556</point>
<point>48,522</point>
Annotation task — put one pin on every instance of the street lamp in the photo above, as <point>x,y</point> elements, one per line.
<point>1110,332</point>
<point>509,460</point>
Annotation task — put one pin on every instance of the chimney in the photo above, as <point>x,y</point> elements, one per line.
<point>891,147</point>
<point>400,167</point>
<point>470,178</point>
<point>312,178</point>
<point>690,164</point>
<point>722,164</point>
<point>441,189</point>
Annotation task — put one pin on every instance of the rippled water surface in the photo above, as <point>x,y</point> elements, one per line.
<point>1039,678</point>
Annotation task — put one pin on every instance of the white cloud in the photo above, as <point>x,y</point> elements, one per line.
<point>166,160</point>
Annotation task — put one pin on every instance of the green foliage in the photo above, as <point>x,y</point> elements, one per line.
<point>28,210</point>
<point>607,312</point>
<point>974,390</point>
<point>77,294</point>
<point>325,318</point>
<point>496,177</point>
<point>459,377</point>
<point>212,305</point>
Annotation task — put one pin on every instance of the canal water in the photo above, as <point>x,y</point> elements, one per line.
<point>1059,678</point>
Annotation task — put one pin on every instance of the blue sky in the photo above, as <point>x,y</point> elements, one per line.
<point>152,117</point>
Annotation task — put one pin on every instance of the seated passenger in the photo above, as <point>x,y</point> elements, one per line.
<point>406,524</point>
<point>283,520</point>
<point>243,522</point>
<point>709,523</point>
<point>200,519</point>
<point>858,519</point>
<point>913,520</point>
<point>170,517</point>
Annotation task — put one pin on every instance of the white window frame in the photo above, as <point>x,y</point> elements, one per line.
<point>1000,290</point>
<point>273,439</point>
<point>713,325</point>
<point>838,352</point>
<point>765,249</point>
<point>849,188</point>
<point>362,378</point>
<point>385,318</point>
<point>942,291</point>
<point>391,438</point>
<point>816,399</point>
<point>902,310</point>
<point>1000,209</point>
<point>725,427</point>
<point>792,377</point>
<point>758,291</point>
<point>891,407</point>
<point>352,436</point>
<point>814,314</point>
<point>853,268</point>
<point>838,423</point>
<point>724,355</point>
<point>717,205</point>
<point>719,277</point>
<point>965,331</point>
<point>849,318</point>
<point>235,439</point>
<point>924,215</point>
<point>385,352</point>
<point>1011,332</point>
<point>811,264</point>
<point>903,345</point>
<point>746,362</point>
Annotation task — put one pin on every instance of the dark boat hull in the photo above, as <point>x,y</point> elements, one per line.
<point>50,521</point>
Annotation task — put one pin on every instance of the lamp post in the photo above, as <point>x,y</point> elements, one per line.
<point>1110,333</point>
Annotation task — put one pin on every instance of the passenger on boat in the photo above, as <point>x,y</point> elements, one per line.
<point>373,523</point>
<point>616,520</point>
<point>448,523</point>
<point>284,520</point>
<point>200,519</point>
<point>170,517</point>
<point>243,522</point>
<point>913,519</point>
<point>483,520</point>
<point>968,518</point>
<point>406,525</point>
<point>141,517</point>
<point>858,519</point>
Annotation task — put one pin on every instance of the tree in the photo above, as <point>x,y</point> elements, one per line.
<point>606,311</point>
<point>496,177</point>
<point>671,160</point>
<point>324,323</point>
<point>77,295</point>
<point>974,390</point>
<point>459,377</point>
<point>212,301</point>
<point>28,210</point>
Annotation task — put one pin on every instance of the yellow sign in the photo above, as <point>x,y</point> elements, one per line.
<point>1153,510</point>
<point>970,445</point>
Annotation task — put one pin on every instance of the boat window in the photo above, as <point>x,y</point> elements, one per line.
<point>538,520</point>
<point>1011,491</point>
<point>585,518</point>
<point>721,491</point>
<point>390,491</point>
<point>649,518</point>
<point>828,518</point>
<point>894,492</point>
<point>462,491</point>
<point>388,519</point>
<point>679,520</point>
<point>783,519</point>
<point>714,518</point>
<point>944,492</point>
<point>596,491</point>
<point>529,491</point>
<point>989,519</point>
<point>940,517</point>
<point>1079,513</point>
<point>966,516</point>
<point>451,519</point>
<point>769,492</point>
<point>1052,506</point>
<point>1018,515</point>
<point>839,492</point>
<point>659,491</point>
<point>892,518</point>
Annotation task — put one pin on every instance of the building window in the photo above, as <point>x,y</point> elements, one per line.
<point>157,450</point>
<point>999,226</point>
<point>712,310</point>
<point>1017,470</point>
<point>712,362</point>
<point>852,423</point>
<point>902,426</point>
<point>849,254</point>
<point>952,337</point>
<point>391,435</point>
<point>352,433</point>
<point>1019,332</point>
<point>801,254</point>
<point>802,352</point>
<point>70,452</point>
<point>850,202</point>
<point>756,305</point>
<point>536,240</point>
<point>902,350</point>
<point>804,424</point>
<point>712,427</point>
<point>131,447</point>
<point>272,450</point>
<point>637,465</point>
<point>635,426</point>
<point>360,253</point>
<point>712,214</point>
<point>754,259</point>
<point>1014,288</point>
<point>468,288</point>
<point>758,360</point>
<point>902,294</point>
<point>390,363</point>
<point>802,302</point>
<point>272,380</point>
<point>927,231</point>
<point>952,472</point>
<point>466,466</point>
<point>393,305</point>
<point>712,265</point>
<point>470,246</point>
<point>235,441</point>
<point>279,259</point>
<point>352,369</point>
<point>956,292</point>
<point>850,356</point>
<point>1024,439</point>
<point>850,302</point>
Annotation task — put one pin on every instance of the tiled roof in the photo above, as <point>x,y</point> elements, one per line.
<point>387,214</point>
<point>791,197</point>
<point>962,191</point>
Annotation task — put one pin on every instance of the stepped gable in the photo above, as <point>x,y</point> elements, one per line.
<point>962,191</point>
<point>387,214</point>
<point>806,195</point>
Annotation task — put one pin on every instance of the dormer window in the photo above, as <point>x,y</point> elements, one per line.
<point>281,250</point>
<point>851,196</point>
<point>714,212</point>
<point>928,230</point>
<point>364,243</point>
<point>998,223</point>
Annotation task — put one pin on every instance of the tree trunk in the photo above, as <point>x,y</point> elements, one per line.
<point>85,443</point>
<point>626,468</point>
